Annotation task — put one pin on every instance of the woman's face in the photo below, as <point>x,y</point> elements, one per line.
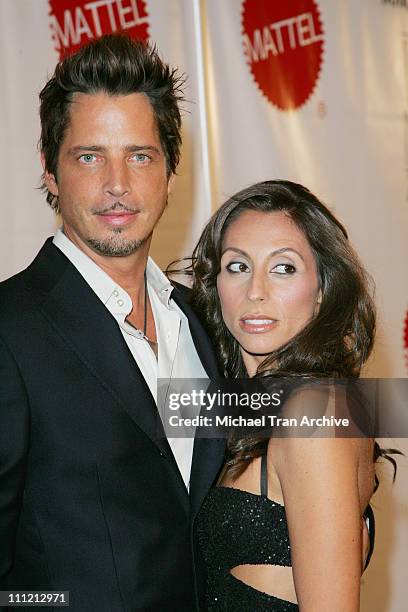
<point>268,284</point>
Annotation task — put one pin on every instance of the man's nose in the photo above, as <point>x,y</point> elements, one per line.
<point>257,287</point>
<point>117,182</point>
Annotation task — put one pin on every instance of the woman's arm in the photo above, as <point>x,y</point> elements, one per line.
<point>320,484</point>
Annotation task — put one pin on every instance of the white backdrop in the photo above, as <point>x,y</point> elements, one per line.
<point>321,97</point>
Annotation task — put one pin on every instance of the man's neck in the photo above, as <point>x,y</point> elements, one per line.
<point>128,272</point>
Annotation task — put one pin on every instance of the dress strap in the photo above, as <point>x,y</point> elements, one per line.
<point>264,476</point>
<point>370,521</point>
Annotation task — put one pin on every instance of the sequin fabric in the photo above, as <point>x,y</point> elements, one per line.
<point>235,527</point>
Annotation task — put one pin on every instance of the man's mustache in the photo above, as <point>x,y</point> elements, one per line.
<point>117,206</point>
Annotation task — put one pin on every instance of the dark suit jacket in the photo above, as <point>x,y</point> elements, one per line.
<point>91,498</point>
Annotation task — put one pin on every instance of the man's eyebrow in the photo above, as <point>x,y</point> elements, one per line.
<point>271,254</point>
<point>131,148</point>
<point>135,148</point>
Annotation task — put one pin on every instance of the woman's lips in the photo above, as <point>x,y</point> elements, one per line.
<point>257,324</point>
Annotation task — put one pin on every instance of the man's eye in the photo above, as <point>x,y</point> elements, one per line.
<point>237,266</point>
<point>141,158</point>
<point>87,158</point>
<point>284,269</point>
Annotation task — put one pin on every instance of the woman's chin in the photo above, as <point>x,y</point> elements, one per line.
<point>259,353</point>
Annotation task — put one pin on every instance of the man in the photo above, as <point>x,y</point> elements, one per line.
<point>93,497</point>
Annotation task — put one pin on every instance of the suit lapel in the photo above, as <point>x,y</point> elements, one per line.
<point>201,341</point>
<point>84,323</point>
<point>208,459</point>
<point>209,454</point>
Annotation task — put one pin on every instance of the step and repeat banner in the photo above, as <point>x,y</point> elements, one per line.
<point>314,91</point>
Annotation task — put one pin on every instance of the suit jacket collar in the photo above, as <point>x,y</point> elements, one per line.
<point>80,318</point>
<point>83,322</point>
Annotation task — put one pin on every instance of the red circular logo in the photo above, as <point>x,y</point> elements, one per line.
<point>283,44</point>
<point>73,23</point>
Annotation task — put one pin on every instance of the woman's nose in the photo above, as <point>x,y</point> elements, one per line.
<point>257,290</point>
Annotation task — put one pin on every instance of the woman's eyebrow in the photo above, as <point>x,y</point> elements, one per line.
<point>272,254</point>
<point>284,250</point>
<point>236,250</point>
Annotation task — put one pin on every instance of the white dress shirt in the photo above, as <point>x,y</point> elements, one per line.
<point>177,356</point>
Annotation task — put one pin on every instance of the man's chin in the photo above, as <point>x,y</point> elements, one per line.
<point>115,246</point>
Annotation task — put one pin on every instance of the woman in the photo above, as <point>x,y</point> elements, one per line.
<point>283,294</point>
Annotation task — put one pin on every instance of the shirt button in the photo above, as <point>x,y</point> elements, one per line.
<point>120,302</point>
<point>116,293</point>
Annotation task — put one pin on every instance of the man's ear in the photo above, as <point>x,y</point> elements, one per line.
<point>49,178</point>
<point>170,183</point>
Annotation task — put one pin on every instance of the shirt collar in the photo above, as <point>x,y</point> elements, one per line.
<point>159,282</point>
<point>115,298</point>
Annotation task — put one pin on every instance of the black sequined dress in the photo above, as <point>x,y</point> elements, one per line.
<point>234,528</point>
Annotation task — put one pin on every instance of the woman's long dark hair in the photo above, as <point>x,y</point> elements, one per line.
<point>335,343</point>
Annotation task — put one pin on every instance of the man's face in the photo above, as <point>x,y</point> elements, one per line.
<point>111,179</point>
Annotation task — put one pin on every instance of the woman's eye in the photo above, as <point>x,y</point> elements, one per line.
<point>284,269</point>
<point>237,266</point>
<point>87,158</point>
